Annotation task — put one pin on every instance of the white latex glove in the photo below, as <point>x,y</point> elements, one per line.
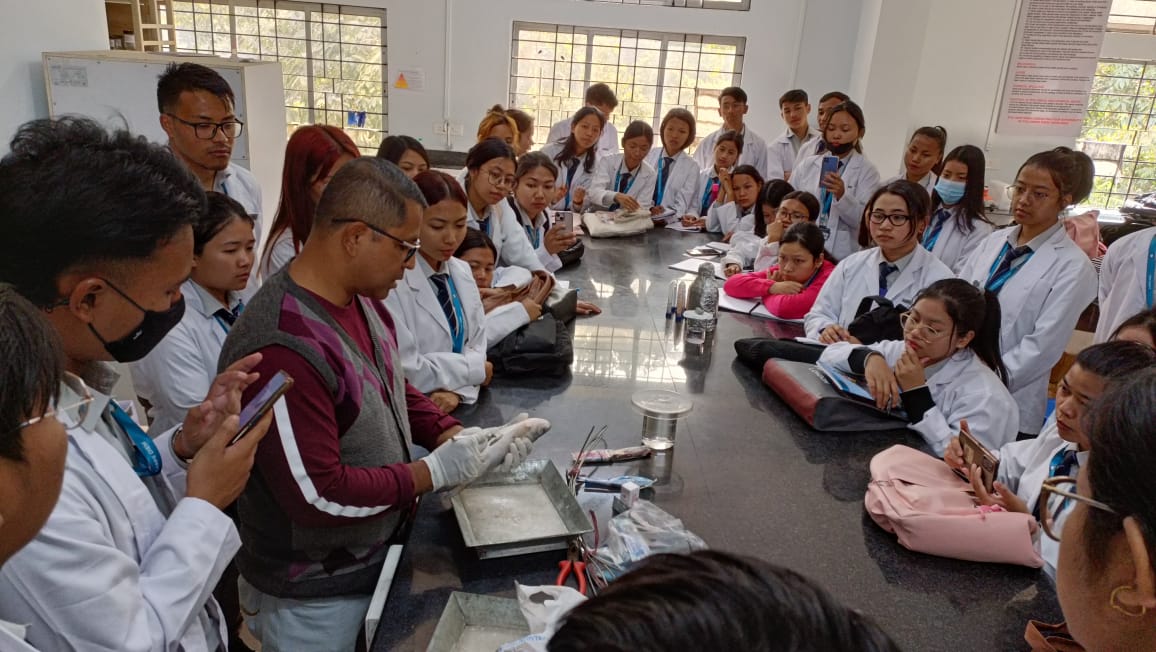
<point>523,433</point>
<point>459,459</point>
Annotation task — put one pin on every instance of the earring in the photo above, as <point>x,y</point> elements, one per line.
<point>1114,602</point>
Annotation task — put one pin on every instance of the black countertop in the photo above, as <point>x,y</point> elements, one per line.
<point>745,474</point>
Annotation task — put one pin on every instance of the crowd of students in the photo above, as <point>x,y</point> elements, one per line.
<point>383,284</point>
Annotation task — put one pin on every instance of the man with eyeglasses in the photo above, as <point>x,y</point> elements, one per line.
<point>334,485</point>
<point>197,112</point>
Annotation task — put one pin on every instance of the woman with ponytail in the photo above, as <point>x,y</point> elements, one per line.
<point>946,370</point>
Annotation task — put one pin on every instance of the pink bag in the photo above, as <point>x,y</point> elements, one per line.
<point>930,509</point>
<point>1084,230</point>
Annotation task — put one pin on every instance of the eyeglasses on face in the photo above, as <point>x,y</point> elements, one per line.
<point>499,180</point>
<point>411,248</point>
<point>1020,190</point>
<point>785,214</point>
<point>896,219</point>
<point>208,130</point>
<point>925,332</point>
<point>1056,495</point>
<point>70,411</point>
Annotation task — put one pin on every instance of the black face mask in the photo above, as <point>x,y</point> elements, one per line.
<point>144,337</point>
<point>840,149</point>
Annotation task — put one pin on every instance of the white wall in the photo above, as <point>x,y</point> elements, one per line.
<point>32,27</point>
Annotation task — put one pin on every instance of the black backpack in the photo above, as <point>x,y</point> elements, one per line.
<point>878,324</point>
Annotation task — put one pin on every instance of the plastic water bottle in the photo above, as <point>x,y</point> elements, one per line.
<point>703,295</point>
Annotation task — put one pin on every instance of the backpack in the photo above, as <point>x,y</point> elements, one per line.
<point>878,324</point>
<point>919,499</point>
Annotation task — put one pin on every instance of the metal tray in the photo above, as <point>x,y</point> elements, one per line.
<point>527,510</point>
<point>477,623</point>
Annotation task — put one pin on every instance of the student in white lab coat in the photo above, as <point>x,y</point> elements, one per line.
<point>626,180</point>
<point>406,152</point>
<point>533,190</point>
<point>760,252</point>
<point>175,376</point>
<point>782,152</point>
<point>576,158</point>
<point>923,157</point>
<point>1127,280</point>
<point>727,149</point>
<point>33,442</point>
<point>130,554</point>
<point>1044,281</point>
<point>733,210</point>
<point>896,268</point>
<point>313,155</point>
<point>957,223</point>
<point>488,180</point>
<point>732,106</point>
<point>945,371</point>
<point>1063,445</point>
<point>843,193</point>
<point>601,97</point>
<point>819,146</point>
<point>437,311</point>
<point>503,315</point>
<point>677,172</point>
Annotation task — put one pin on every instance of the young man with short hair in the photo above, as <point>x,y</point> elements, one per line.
<point>602,98</point>
<point>198,113</point>
<point>782,152</point>
<point>732,106</point>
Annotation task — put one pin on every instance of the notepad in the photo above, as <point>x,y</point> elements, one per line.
<point>752,307</point>
<point>677,226</point>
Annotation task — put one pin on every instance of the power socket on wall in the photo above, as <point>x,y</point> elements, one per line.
<point>441,128</point>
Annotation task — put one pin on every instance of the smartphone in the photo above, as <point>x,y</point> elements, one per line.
<point>565,217</point>
<point>257,408</point>
<point>975,453</point>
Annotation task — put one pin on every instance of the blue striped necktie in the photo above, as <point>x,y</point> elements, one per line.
<point>441,283</point>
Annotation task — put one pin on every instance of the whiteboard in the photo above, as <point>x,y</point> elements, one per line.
<point>120,93</point>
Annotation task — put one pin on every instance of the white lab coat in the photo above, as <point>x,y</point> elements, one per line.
<point>539,225</point>
<point>781,152</point>
<point>12,638</point>
<point>754,150</point>
<point>603,189</point>
<point>953,245</point>
<point>509,238</point>
<point>751,251</point>
<point>1124,282</point>
<point>706,177</point>
<point>962,386</point>
<point>928,181</point>
<point>683,180</point>
<point>1041,304</point>
<point>729,218</point>
<point>424,340</point>
<point>581,178</point>
<point>857,277</point>
<point>176,375</point>
<point>861,179</point>
<point>283,252</point>
<point>503,320</point>
<point>608,144</point>
<point>109,571</point>
<point>816,147</point>
<point>1023,467</point>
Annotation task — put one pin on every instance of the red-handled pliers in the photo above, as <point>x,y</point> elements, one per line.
<point>573,564</point>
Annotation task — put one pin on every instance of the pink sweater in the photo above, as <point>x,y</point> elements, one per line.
<point>755,285</point>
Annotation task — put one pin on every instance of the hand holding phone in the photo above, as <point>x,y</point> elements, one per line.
<point>264,401</point>
<point>974,453</point>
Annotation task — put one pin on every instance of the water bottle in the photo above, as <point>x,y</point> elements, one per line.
<point>703,294</point>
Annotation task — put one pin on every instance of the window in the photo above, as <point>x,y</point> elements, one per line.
<point>740,5</point>
<point>332,56</point>
<point>1120,131</point>
<point>1132,16</point>
<point>650,72</point>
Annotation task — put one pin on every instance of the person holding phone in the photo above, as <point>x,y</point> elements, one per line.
<point>175,376</point>
<point>1063,445</point>
<point>945,371</point>
<point>437,311</point>
<point>336,483</point>
<point>843,179</point>
<point>827,102</point>
<point>488,180</point>
<point>133,548</point>
<point>626,181</point>
<point>534,185</point>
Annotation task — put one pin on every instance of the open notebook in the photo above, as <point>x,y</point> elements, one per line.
<point>752,307</point>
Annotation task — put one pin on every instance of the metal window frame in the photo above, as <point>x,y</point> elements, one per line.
<point>666,39</point>
<point>735,5</point>
<point>1147,26</point>
<point>1122,185</point>
<point>312,11</point>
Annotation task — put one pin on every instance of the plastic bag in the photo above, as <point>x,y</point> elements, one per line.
<point>542,607</point>
<point>639,532</point>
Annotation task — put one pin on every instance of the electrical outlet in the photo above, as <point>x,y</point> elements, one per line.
<point>440,128</point>
<point>456,130</point>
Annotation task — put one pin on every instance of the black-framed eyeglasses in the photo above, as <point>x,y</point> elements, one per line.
<point>208,130</point>
<point>794,216</point>
<point>1055,496</point>
<point>410,247</point>
<point>896,219</point>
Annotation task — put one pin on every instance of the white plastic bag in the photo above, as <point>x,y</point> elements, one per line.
<point>640,532</point>
<point>543,607</point>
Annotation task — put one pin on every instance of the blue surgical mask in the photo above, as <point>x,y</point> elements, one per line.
<point>950,191</point>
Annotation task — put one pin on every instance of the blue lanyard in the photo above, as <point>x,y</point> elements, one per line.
<point>533,234</point>
<point>629,183</point>
<point>710,193</point>
<point>995,284</point>
<point>225,326</point>
<point>146,458</point>
<point>571,171</point>
<point>1151,269</point>
<point>660,187</point>
<point>459,333</point>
